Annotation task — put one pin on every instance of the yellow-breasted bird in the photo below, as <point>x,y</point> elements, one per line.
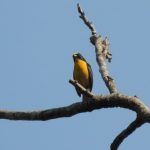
<point>82,73</point>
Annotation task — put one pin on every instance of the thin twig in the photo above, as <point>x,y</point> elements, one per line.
<point>86,21</point>
<point>82,89</point>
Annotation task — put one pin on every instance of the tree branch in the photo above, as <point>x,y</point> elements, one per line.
<point>82,89</point>
<point>86,21</point>
<point>102,52</point>
<point>125,133</point>
<point>133,103</point>
<point>96,102</point>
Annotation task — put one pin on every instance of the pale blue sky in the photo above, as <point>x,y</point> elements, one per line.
<point>37,39</point>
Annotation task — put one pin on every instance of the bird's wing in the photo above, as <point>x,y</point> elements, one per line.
<point>77,90</point>
<point>90,77</point>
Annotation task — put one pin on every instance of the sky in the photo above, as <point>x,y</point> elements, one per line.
<point>37,40</point>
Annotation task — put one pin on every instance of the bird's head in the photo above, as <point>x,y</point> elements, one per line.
<point>77,56</point>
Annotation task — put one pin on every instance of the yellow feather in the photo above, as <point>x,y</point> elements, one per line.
<point>81,72</point>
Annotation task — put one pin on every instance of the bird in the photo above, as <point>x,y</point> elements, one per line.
<point>82,73</point>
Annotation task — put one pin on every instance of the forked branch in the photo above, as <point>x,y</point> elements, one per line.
<point>102,53</point>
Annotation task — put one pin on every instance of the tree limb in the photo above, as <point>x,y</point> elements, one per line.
<point>96,102</point>
<point>102,52</point>
<point>125,133</point>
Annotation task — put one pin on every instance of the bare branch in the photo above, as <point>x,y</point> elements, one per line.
<point>133,103</point>
<point>125,133</point>
<point>96,102</point>
<point>86,21</point>
<point>102,52</point>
